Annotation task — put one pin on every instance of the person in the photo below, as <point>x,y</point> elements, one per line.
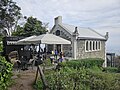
<point>56,53</point>
<point>61,57</point>
<point>24,63</point>
<point>53,52</point>
<point>44,49</point>
<point>39,59</point>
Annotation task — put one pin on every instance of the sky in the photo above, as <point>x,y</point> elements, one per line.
<point>100,15</point>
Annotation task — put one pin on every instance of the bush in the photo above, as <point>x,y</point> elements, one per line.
<point>86,63</point>
<point>110,69</point>
<point>76,75</point>
<point>104,81</point>
<point>5,73</point>
<point>68,79</point>
<point>82,79</point>
<point>118,69</point>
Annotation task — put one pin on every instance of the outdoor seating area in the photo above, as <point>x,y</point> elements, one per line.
<point>27,52</point>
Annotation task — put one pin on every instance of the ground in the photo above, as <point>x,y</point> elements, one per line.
<point>23,80</point>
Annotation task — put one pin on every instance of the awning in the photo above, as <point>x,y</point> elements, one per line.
<point>25,40</point>
<point>44,39</point>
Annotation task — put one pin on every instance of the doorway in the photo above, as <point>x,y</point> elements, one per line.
<point>59,48</point>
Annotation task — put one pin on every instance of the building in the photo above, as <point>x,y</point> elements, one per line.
<point>86,43</point>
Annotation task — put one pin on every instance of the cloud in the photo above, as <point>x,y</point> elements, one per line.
<point>82,11</point>
<point>113,44</point>
<point>101,15</point>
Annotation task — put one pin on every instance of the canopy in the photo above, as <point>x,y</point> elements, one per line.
<point>44,39</point>
<point>25,40</point>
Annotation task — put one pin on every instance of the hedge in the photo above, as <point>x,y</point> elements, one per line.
<point>86,63</point>
<point>5,73</point>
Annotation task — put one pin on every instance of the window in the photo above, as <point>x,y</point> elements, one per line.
<point>93,45</point>
<point>58,32</point>
<point>90,45</point>
<point>99,45</point>
<point>86,45</point>
<point>96,45</point>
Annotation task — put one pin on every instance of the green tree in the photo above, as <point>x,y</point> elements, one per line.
<point>31,27</point>
<point>9,16</point>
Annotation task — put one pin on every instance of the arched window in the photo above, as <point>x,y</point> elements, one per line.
<point>90,45</point>
<point>86,45</point>
<point>99,45</point>
<point>58,32</point>
<point>93,45</point>
<point>96,45</point>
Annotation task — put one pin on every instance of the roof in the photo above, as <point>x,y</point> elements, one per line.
<point>83,32</point>
<point>44,39</point>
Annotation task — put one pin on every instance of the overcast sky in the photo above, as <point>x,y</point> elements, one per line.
<point>100,15</point>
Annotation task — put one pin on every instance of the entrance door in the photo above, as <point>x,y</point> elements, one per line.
<point>59,48</point>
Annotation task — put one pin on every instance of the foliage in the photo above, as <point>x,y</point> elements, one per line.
<point>104,81</point>
<point>110,69</point>
<point>19,31</point>
<point>31,27</point>
<point>9,16</point>
<point>1,47</point>
<point>66,79</point>
<point>118,69</point>
<point>5,73</point>
<point>86,63</point>
<point>80,77</point>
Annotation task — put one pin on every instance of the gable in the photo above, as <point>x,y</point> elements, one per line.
<point>61,28</point>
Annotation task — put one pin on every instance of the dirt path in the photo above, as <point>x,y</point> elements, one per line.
<point>23,80</point>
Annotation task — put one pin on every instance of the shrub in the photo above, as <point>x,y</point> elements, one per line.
<point>68,79</point>
<point>104,81</point>
<point>86,63</point>
<point>5,73</point>
<point>110,69</point>
<point>118,69</point>
<point>76,76</point>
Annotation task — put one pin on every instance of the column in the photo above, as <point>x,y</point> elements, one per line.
<point>74,48</point>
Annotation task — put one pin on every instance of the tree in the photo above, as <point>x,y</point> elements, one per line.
<point>31,27</point>
<point>9,16</point>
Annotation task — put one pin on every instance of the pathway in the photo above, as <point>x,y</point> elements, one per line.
<point>23,80</point>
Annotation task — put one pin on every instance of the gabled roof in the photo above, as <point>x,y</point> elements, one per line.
<point>84,33</point>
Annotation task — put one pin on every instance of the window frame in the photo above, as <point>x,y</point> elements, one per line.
<point>92,45</point>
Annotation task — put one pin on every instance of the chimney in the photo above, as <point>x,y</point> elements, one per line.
<point>107,35</point>
<point>58,20</point>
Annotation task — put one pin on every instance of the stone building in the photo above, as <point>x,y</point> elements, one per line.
<point>85,42</point>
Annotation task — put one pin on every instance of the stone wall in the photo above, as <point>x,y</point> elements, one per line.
<point>82,53</point>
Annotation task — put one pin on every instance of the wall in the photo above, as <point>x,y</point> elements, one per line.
<point>81,53</point>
